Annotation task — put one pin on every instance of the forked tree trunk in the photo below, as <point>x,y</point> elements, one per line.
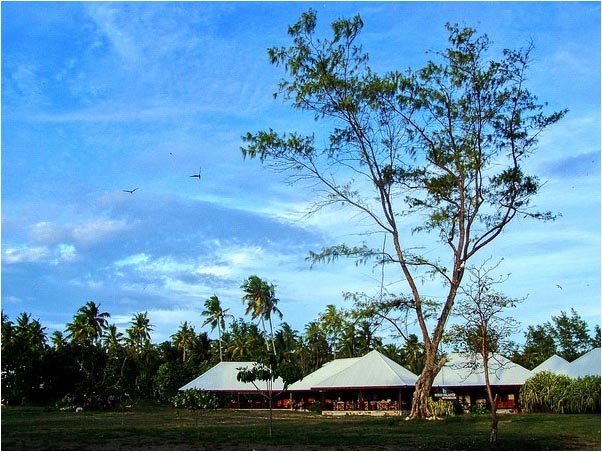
<point>420,408</point>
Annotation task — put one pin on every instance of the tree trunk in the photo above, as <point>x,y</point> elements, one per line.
<point>270,382</point>
<point>219,341</point>
<point>420,409</point>
<point>492,400</point>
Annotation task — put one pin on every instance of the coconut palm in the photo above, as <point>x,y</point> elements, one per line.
<point>216,317</point>
<point>184,339</point>
<point>261,301</point>
<point>112,340</point>
<point>57,338</point>
<point>88,325</point>
<point>139,332</point>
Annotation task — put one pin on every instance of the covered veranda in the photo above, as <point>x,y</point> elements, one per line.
<point>369,384</point>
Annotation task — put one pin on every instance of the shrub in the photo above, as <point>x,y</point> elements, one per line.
<point>195,399</point>
<point>478,409</point>
<point>441,408</point>
<point>548,392</point>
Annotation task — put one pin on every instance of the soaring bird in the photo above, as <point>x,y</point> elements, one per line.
<point>131,191</point>
<point>197,175</point>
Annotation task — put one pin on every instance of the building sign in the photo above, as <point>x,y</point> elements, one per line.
<point>445,395</point>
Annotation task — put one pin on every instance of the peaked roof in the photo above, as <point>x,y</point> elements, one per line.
<point>324,372</point>
<point>222,377</point>
<point>502,372</point>
<point>587,364</point>
<point>553,364</point>
<point>373,370</point>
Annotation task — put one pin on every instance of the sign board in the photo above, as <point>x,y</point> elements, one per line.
<point>446,395</point>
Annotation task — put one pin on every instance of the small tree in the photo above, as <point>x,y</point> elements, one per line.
<point>261,301</point>
<point>484,331</point>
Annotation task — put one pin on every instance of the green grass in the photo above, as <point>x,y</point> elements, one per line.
<point>160,428</point>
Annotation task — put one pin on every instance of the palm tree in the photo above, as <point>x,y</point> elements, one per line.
<point>333,323</point>
<point>57,339</point>
<point>413,354</point>
<point>216,317</point>
<point>88,324</point>
<point>113,339</point>
<point>139,332</point>
<point>317,344</point>
<point>261,301</point>
<point>184,339</point>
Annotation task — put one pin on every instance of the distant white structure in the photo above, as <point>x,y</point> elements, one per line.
<point>553,364</point>
<point>368,383</point>
<point>502,372</point>
<point>587,364</point>
<point>222,378</point>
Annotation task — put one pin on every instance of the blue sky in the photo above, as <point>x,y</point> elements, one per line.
<point>102,97</point>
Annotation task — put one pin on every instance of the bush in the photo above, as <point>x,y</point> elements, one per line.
<point>441,408</point>
<point>550,393</point>
<point>478,409</point>
<point>195,399</point>
<point>315,408</point>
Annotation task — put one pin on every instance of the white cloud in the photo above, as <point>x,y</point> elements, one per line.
<point>134,260</point>
<point>65,253</point>
<point>25,254</point>
<point>46,232</point>
<point>96,230</point>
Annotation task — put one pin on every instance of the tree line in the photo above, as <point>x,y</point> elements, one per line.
<point>92,363</point>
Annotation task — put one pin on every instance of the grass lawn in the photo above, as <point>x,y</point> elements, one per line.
<point>153,427</point>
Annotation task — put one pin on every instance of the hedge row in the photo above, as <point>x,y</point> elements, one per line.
<point>548,392</point>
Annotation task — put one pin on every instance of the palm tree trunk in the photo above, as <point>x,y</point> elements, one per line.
<point>272,335</point>
<point>270,404</point>
<point>219,340</point>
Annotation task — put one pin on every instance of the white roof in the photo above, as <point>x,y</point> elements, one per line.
<point>222,377</point>
<point>587,364</point>
<point>373,370</point>
<point>553,364</point>
<point>502,372</point>
<point>324,372</point>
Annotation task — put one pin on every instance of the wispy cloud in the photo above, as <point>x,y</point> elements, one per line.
<point>25,254</point>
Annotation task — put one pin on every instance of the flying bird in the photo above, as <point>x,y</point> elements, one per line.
<point>131,191</point>
<point>559,286</point>
<point>197,175</point>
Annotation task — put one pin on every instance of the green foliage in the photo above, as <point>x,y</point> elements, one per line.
<point>478,409</point>
<point>444,147</point>
<point>571,334</point>
<point>315,408</point>
<point>170,376</point>
<point>195,399</point>
<point>67,403</point>
<point>565,335</point>
<point>549,392</point>
<point>441,408</point>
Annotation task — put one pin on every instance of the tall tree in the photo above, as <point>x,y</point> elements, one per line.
<point>539,346</point>
<point>184,339</point>
<point>139,332</point>
<point>446,143</point>
<point>88,325</point>
<point>316,346</point>
<point>571,334</point>
<point>216,317</point>
<point>413,354</point>
<point>261,301</point>
<point>333,322</point>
